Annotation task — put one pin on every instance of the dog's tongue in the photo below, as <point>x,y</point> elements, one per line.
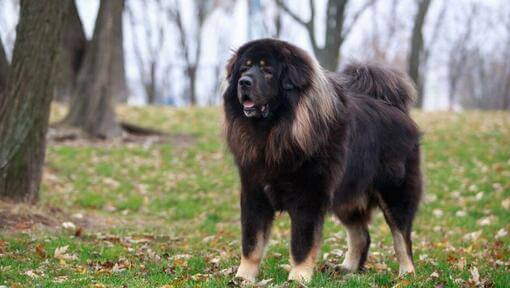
<point>248,104</point>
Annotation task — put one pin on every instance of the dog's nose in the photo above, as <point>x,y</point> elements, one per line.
<point>245,82</point>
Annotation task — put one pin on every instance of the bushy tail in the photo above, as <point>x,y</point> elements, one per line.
<point>380,82</point>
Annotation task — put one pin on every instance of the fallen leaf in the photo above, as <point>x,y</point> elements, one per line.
<point>228,271</point>
<point>475,275</point>
<point>501,233</point>
<point>69,226</point>
<point>263,283</point>
<point>31,274</point>
<point>39,250</point>
<point>60,253</point>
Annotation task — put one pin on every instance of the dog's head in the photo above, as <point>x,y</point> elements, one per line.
<point>266,76</point>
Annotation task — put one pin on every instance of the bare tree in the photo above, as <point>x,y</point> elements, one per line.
<point>277,19</point>
<point>479,59</point>
<point>150,64</point>
<point>458,55</point>
<point>385,33</point>
<point>25,107</point>
<point>336,29</point>
<point>100,79</point>
<point>484,82</point>
<point>191,51</point>
<point>71,53</point>
<point>417,50</point>
<point>4,67</point>
<point>506,56</point>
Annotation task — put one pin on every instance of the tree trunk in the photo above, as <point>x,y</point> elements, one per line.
<point>417,49</point>
<point>4,68</point>
<point>71,54</point>
<point>150,88</point>
<point>329,55</point>
<point>92,105</point>
<point>25,107</point>
<point>119,73</point>
<point>335,33</point>
<point>192,76</point>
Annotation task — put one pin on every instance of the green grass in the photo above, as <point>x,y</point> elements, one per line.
<point>167,214</point>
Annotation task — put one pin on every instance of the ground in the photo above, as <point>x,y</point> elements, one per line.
<point>166,214</point>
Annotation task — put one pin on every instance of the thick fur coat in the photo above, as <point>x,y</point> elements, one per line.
<point>320,142</point>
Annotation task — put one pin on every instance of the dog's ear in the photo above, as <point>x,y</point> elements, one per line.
<point>296,74</point>
<point>231,65</point>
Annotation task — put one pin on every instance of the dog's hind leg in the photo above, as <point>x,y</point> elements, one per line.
<point>358,242</point>
<point>358,238</point>
<point>354,213</point>
<point>401,232</point>
<point>399,204</point>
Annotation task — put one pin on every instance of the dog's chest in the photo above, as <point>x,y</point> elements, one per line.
<point>280,194</point>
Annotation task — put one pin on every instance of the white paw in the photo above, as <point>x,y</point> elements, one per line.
<point>405,269</point>
<point>301,274</point>
<point>247,272</point>
<point>349,266</point>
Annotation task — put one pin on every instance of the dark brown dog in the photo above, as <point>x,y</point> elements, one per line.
<point>308,141</point>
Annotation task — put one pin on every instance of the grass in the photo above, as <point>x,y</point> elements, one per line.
<point>150,215</point>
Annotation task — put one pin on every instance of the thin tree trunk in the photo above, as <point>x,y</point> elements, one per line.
<point>71,54</point>
<point>93,104</point>
<point>417,49</point>
<point>150,88</point>
<point>25,107</point>
<point>192,76</point>
<point>4,67</point>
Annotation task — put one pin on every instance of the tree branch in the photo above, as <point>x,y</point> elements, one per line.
<point>356,16</point>
<point>294,16</point>
<point>435,32</point>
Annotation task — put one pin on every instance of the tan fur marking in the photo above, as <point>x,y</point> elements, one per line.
<point>249,267</point>
<point>303,272</point>
<point>399,244</point>
<point>317,107</point>
<point>404,260</point>
<point>357,204</point>
<point>355,243</point>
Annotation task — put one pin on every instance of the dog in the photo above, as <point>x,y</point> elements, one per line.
<point>310,142</point>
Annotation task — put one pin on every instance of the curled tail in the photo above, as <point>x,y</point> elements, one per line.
<point>380,82</point>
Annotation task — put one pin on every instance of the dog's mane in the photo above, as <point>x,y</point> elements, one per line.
<point>316,109</point>
<point>305,132</point>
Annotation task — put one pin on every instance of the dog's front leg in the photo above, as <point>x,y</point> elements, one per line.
<point>257,216</point>
<point>305,243</point>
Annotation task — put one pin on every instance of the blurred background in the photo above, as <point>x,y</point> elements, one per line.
<point>173,52</point>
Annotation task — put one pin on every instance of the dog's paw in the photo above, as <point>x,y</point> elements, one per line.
<point>405,270</point>
<point>349,267</point>
<point>247,273</point>
<point>301,274</point>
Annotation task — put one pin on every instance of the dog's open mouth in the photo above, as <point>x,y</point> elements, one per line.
<point>252,110</point>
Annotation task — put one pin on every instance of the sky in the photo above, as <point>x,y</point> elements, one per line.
<point>224,32</point>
